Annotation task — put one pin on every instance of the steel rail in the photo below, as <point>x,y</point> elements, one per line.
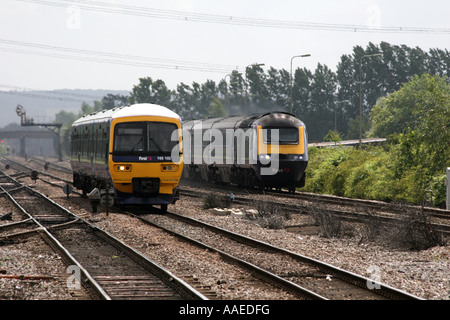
<point>257,271</point>
<point>92,285</point>
<point>339,273</point>
<point>86,279</point>
<point>341,214</point>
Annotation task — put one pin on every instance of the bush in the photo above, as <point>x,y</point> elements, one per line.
<point>414,232</point>
<point>214,200</point>
<point>439,191</point>
<point>330,225</point>
<point>371,173</point>
<point>270,216</point>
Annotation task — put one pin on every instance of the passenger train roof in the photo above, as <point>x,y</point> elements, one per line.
<point>135,110</point>
<point>267,118</point>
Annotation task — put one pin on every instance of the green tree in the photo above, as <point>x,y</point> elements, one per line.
<point>206,95</point>
<point>323,89</point>
<point>333,136</point>
<point>149,91</point>
<point>257,93</point>
<point>419,114</point>
<point>111,101</point>
<point>183,101</point>
<point>301,93</point>
<point>65,117</point>
<point>278,90</point>
<point>415,105</point>
<point>86,108</point>
<point>216,109</point>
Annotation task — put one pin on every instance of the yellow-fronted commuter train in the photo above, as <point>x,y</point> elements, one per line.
<point>268,150</point>
<point>136,149</point>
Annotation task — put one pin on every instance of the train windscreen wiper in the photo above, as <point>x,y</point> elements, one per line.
<point>157,146</point>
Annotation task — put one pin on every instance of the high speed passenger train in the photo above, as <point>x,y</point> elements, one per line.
<point>267,150</point>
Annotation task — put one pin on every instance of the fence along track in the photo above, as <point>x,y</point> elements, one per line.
<point>109,269</point>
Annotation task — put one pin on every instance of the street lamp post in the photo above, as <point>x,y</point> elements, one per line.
<point>360,92</point>
<point>290,79</point>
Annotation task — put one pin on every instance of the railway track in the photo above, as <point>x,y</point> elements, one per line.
<point>245,280</point>
<point>318,274</point>
<point>50,165</point>
<point>349,209</point>
<point>352,210</point>
<point>369,204</point>
<point>304,276</point>
<point>108,268</point>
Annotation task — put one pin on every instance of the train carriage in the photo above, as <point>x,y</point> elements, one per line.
<point>267,150</point>
<point>136,149</point>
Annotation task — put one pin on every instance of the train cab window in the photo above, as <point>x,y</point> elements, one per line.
<point>159,136</point>
<point>129,137</point>
<point>285,135</point>
<point>144,138</point>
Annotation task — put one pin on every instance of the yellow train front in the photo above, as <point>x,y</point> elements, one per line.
<point>136,149</point>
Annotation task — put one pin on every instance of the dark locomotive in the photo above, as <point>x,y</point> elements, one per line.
<point>268,150</point>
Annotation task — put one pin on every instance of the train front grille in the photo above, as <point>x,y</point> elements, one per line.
<point>146,186</point>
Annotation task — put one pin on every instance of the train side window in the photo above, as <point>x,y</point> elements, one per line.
<point>191,141</point>
<point>73,141</point>
<point>90,138</point>
<point>99,140</point>
<point>77,143</point>
<point>105,144</point>
<point>85,141</point>
<point>247,147</point>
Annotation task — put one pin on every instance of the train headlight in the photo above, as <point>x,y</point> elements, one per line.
<point>264,158</point>
<point>123,167</point>
<point>296,157</point>
<point>169,167</point>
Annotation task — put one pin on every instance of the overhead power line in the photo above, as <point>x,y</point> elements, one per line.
<point>231,20</point>
<point>55,94</point>
<point>112,58</point>
<point>45,94</point>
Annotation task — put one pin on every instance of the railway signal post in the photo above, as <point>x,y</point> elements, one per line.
<point>54,127</point>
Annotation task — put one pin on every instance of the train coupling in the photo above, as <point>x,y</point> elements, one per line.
<point>103,197</point>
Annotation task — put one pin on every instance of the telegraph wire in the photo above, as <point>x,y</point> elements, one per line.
<point>41,96</point>
<point>117,62</point>
<point>39,92</point>
<point>123,59</point>
<point>231,20</point>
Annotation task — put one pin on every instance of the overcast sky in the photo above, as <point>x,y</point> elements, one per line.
<point>56,44</point>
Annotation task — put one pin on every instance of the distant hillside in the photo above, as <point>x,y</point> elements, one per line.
<point>43,105</point>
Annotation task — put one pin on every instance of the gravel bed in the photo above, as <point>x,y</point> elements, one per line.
<point>424,273</point>
<point>225,280</point>
<point>32,257</point>
<point>202,268</point>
